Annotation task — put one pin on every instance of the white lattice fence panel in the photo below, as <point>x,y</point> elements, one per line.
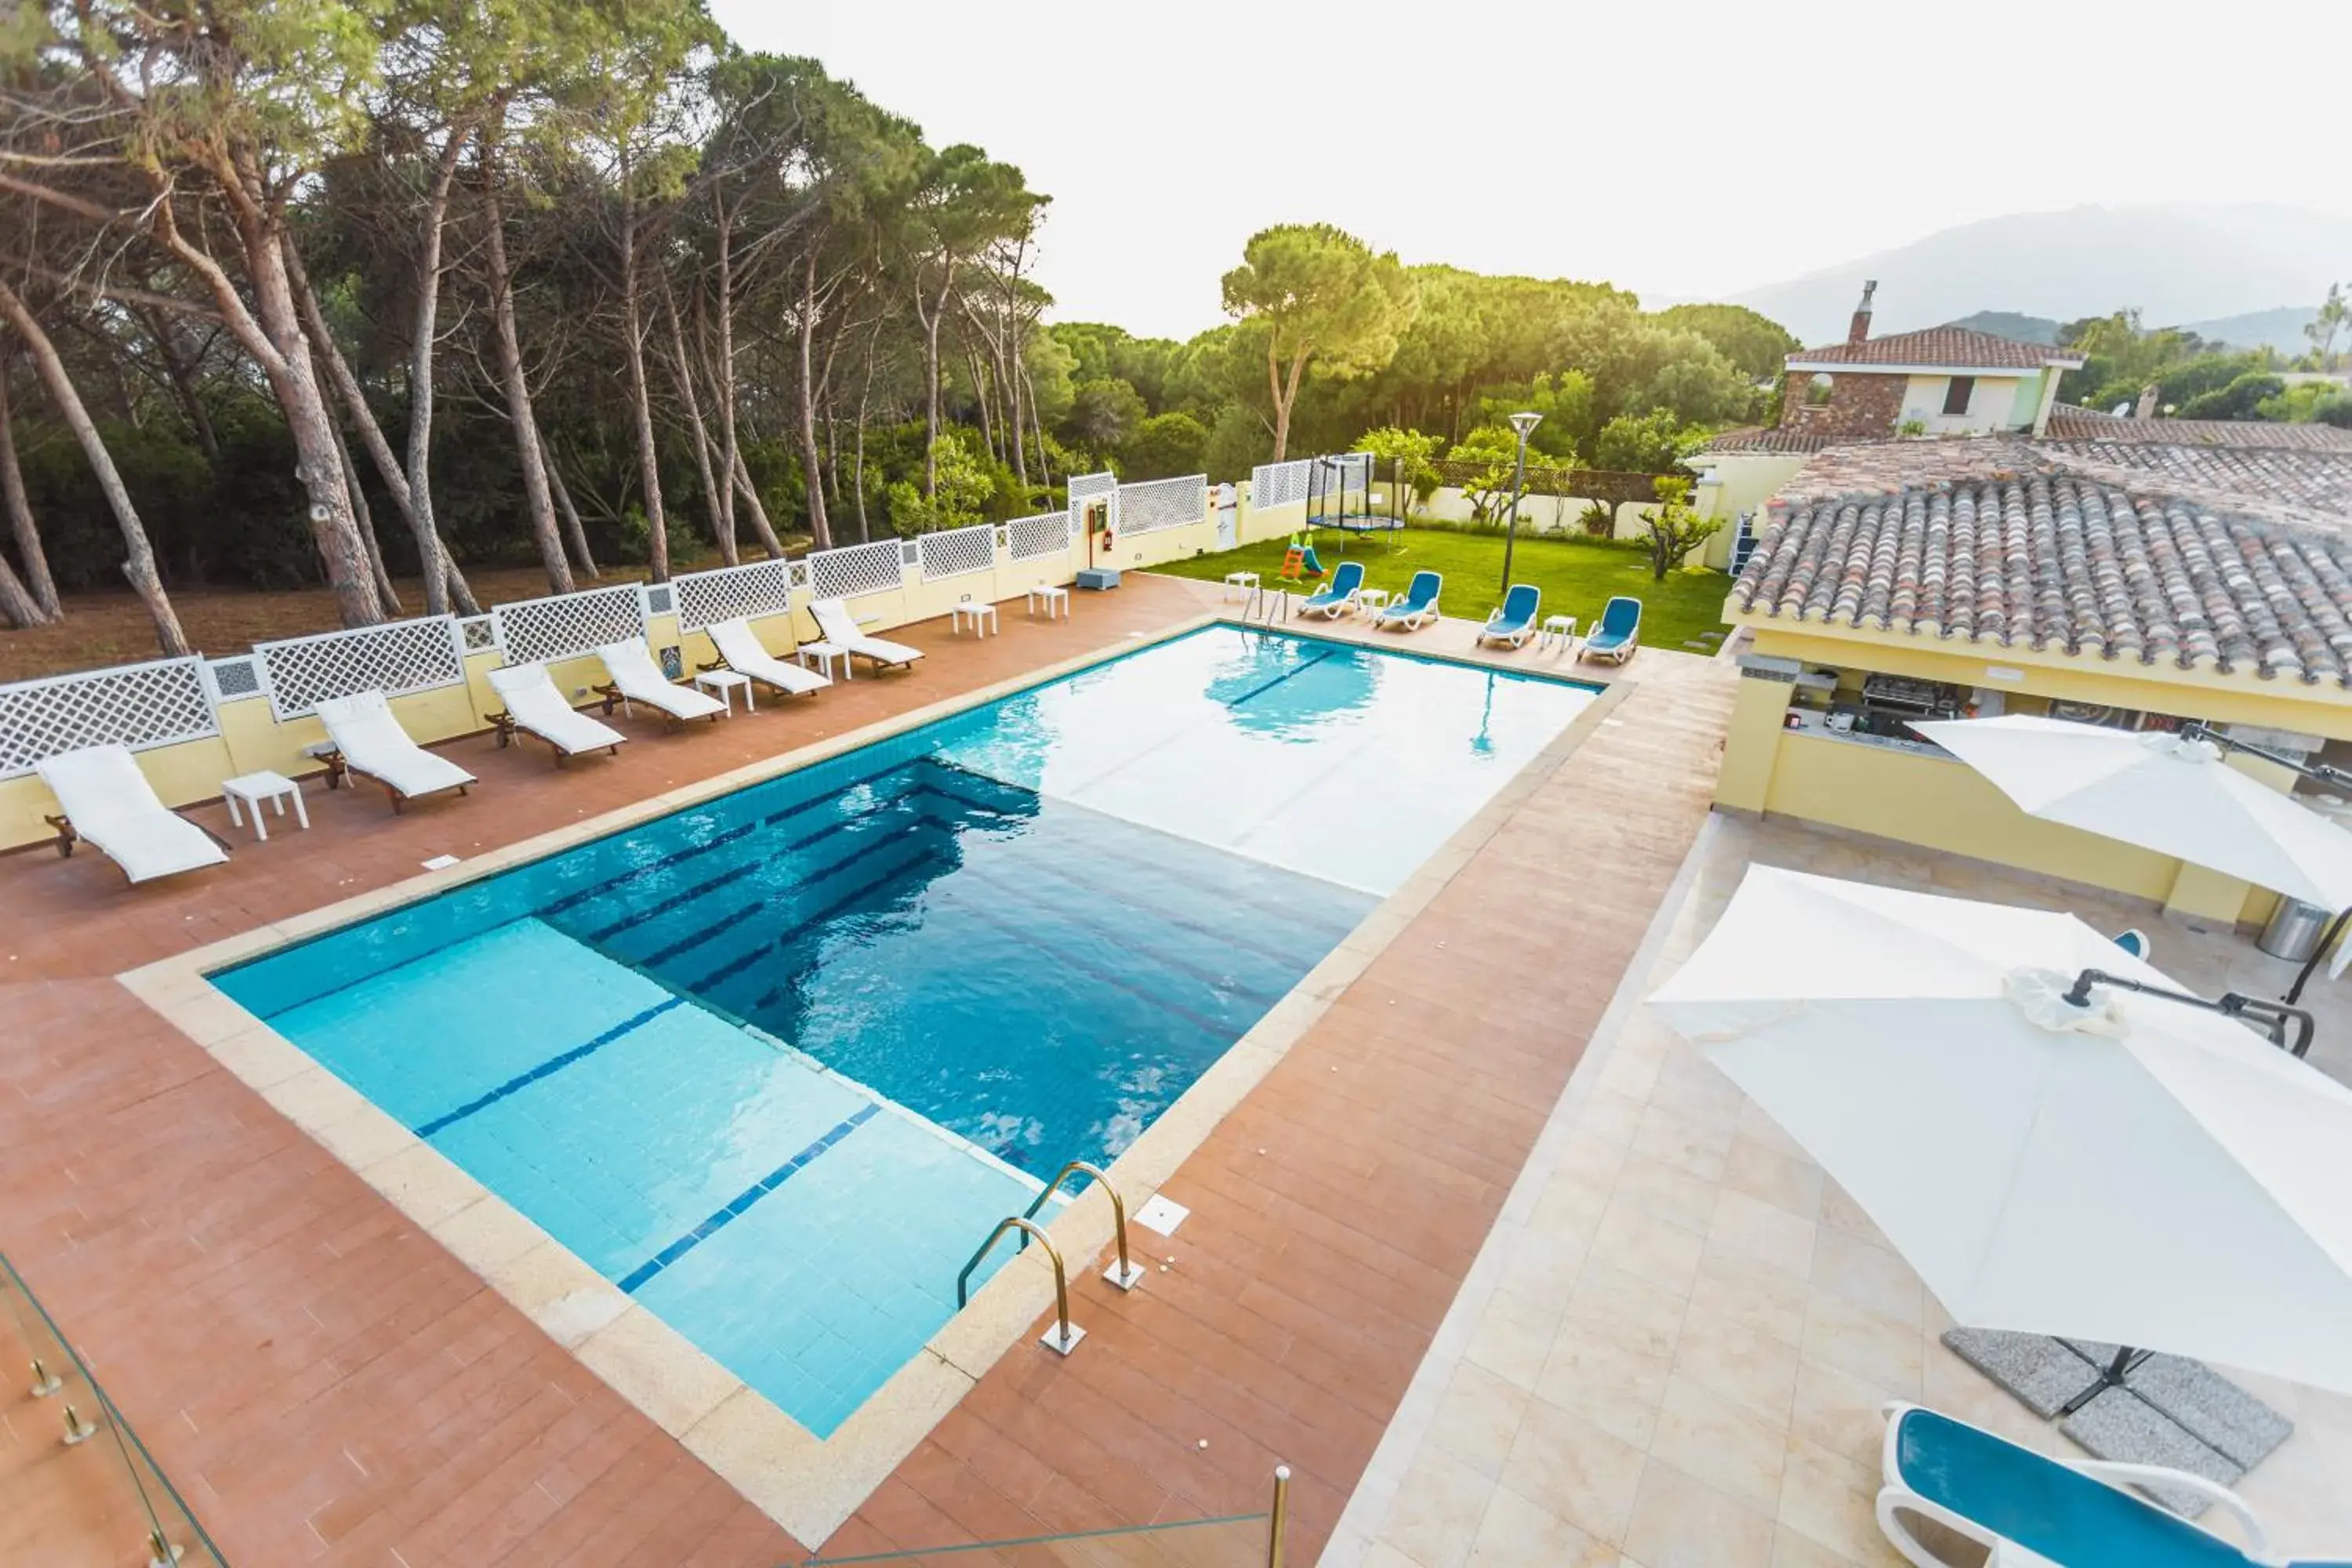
<point>856,569</point>
<point>1155,504</point>
<point>958,552</point>
<point>133,705</point>
<point>733,592</point>
<point>1280,484</point>
<point>396,657</point>
<point>540,629</point>
<point>1047,533</point>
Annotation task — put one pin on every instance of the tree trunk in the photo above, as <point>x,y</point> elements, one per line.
<point>183,389</point>
<point>812,477</point>
<point>931,383</point>
<point>573,530</point>
<point>1283,397</point>
<point>1037,422</point>
<point>273,333</point>
<point>979,391</point>
<point>21,522</point>
<point>641,395</point>
<point>17,607</point>
<point>728,450</point>
<point>759,511</point>
<point>714,495</point>
<point>1020,440</point>
<point>139,562</point>
<point>537,502</point>
<point>423,333</point>
<point>388,596</point>
<point>857,481</point>
<point>387,466</point>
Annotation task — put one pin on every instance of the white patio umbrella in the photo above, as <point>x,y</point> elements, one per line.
<point>2140,1172</point>
<point>2176,796</point>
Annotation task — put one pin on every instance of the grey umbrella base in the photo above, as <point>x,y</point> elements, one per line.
<point>2170,1411</point>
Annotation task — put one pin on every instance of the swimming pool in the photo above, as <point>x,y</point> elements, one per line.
<point>775,1064</point>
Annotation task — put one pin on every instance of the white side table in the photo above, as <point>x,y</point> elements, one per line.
<point>981,617</point>
<point>726,682</point>
<point>819,657</point>
<point>252,790</point>
<point>1054,600</point>
<point>1371,602</point>
<point>1238,584</point>
<point>1559,632</point>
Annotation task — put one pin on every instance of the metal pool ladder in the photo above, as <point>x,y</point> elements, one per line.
<point>1064,1336</point>
<point>1268,604</point>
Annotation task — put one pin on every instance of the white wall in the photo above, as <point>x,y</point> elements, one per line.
<point>1993,405</point>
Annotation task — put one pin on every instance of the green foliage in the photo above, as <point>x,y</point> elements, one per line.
<point>1493,451</point>
<point>1103,412</point>
<point>1756,344</point>
<point>1673,529</point>
<point>1564,400</point>
<point>1597,519</point>
<point>1321,294</point>
<point>965,491</point>
<point>2334,316</point>
<point>2241,399</point>
<point>1652,444</point>
<point>1163,446</point>
<point>1238,442</point>
<point>1409,454</point>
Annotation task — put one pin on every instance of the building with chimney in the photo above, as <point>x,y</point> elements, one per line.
<point>1944,381</point>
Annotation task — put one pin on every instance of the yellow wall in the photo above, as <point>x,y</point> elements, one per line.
<point>1732,482</point>
<point>1942,804</point>
<point>1992,407</point>
<point>251,739</point>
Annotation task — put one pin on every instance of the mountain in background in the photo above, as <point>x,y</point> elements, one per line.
<point>2177,264</point>
<point>2280,328</point>
<point>2011,324</point>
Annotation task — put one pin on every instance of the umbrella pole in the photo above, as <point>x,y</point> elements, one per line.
<point>2127,1359</point>
<point>2271,1018</point>
<point>2318,955</point>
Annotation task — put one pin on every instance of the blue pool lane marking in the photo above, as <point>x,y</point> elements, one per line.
<point>1301,667</point>
<point>743,1202</point>
<point>552,1063</point>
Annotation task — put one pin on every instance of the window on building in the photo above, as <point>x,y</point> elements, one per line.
<point>1957,393</point>
<point>1817,391</point>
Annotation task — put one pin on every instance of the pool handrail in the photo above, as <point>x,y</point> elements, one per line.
<point>1125,1275</point>
<point>1065,1339</point>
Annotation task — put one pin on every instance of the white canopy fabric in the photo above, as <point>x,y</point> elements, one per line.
<point>2177,797</point>
<point>2144,1173</point>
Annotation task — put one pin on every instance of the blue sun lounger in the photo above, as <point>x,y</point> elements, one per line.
<point>1619,633</point>
<point>1515,623</point>
<point>1338,597</point>
<point>2027,1508</point>
<point>1419,606</point>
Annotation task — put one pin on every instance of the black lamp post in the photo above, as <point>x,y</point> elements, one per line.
<point>1524,423</point>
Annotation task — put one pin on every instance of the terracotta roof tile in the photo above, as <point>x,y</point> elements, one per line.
<point>1954,348</point>
<point>2058,561</point>
<point>2069,422</point>
<point>1758,439</point>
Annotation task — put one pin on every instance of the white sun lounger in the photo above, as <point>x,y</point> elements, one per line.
<point>370,742</point>
<point>839,629</point>
<point>637,679</point>
<point>535,706</point>
<point>106,799</point>
<point>742,652</point>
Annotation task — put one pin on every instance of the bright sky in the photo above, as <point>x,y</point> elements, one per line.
<point>1686,149</point>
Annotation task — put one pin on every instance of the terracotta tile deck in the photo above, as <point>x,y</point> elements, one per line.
<point>326,1385</point>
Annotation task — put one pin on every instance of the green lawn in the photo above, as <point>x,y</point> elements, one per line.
<point>1577,578</point>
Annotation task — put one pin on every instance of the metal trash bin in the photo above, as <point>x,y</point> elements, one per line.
<point>2294,930</point>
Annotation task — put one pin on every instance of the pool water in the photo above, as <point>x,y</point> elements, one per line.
<point>775,1064</point>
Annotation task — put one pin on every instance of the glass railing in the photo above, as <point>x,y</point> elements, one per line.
<point>1234,1540</point>
<point>79,1484</point>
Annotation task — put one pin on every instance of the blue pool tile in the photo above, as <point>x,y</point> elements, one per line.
<point>1024,930</point>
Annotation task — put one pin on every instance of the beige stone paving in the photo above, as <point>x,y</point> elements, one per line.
<point>1672,1351</point>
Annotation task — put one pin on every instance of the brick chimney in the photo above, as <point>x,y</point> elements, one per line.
<point>1860,330</point>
